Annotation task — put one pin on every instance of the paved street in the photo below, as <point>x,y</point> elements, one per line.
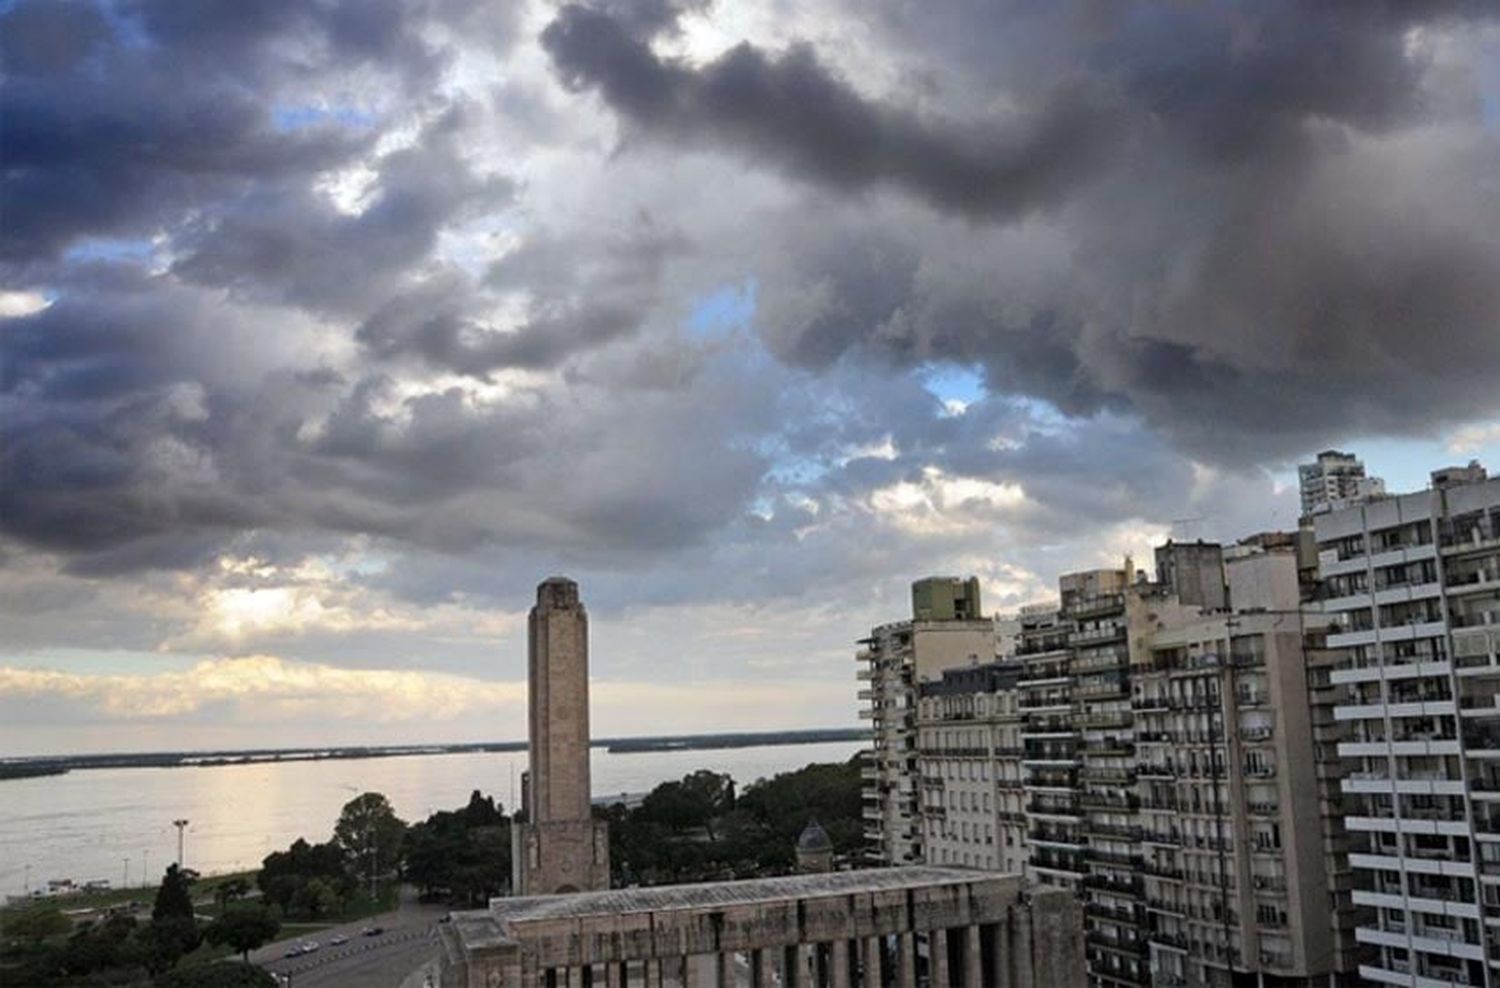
<point>363,962</point>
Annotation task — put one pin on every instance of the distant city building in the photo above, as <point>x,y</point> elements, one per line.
<point>1335,480</point>
<point>1413,584</point>
<point>559,847</point>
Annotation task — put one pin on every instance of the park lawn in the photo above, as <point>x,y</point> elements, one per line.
<point>301,931</point>
<point>202,889</point>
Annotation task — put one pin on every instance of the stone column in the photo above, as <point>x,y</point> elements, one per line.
<point>614,975</point>
<point>1000,956</point>
<point>1020,945</point>
<point>973,969</point>
<point>937,958</point>
<point>874,962</point>
<point>794,971</point>
<point>906,960</point>
<point>651,973</point>
<point>840,966</point>
<point>765,964</point>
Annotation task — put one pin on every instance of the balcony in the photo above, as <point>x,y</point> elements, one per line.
<point>1085,607</point>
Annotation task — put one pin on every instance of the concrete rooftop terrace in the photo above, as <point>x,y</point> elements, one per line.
<point>750,891</point>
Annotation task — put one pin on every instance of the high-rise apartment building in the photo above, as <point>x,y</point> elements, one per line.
<point>969,756</point>
<point>1335,480</point>
<point>1413,585</point>
<point>1166,750</point>
<point>896,658</point>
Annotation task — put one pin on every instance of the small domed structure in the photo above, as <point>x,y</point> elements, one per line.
<point>814,849</point>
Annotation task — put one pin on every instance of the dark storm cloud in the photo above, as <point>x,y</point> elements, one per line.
<point>120,119</point>
<point>1288,230</point>
<point>290,243</point>
<point>581,292</point>
<point>791,110</point>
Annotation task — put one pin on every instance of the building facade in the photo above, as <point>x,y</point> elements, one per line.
<point>969,757</point>
<point>1413,585</point>
<point>902,927</point>
<point>894,659</point>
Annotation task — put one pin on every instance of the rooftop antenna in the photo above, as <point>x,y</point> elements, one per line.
<point>1187,529</point>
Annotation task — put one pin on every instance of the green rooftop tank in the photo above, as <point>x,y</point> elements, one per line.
<point>945,598</point>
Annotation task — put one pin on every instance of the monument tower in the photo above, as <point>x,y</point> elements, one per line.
<point>559,847</point>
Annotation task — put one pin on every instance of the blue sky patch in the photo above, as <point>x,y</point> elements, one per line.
<point>111,249</point>
<point>289,118</point>
<point>727,308</point>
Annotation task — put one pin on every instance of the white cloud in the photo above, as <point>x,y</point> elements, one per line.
<point>943,503</point>
<point>21,303</point>
<point>265,688</point>
<point>1472,437</point>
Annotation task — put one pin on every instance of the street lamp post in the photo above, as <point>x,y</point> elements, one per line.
<point>181,825</point>
<point>146,867</point>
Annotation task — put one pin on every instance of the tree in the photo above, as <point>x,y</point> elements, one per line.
<point>369,833</point>
<point>316,899</point>
<point>243,927</point>
<point>36,925</point>
<point>693,802</point>
<point>462,855</point>
<point>228,891</point>
<point>164,941</point>
<point>284,875</point>
<point>174,897</point>
<point>221,974</point>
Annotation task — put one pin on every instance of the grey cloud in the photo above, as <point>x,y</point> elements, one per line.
<point>1287,236</point>
<point>579,293</point>
<point>290,243</point>
<point>793,112</point>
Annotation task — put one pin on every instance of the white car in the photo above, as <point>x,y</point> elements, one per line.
<point>308,946</point>
<point>337,941</point>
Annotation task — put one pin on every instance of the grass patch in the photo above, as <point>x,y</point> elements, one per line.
<point>202,889</point>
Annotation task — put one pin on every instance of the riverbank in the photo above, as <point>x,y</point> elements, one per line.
<point>44,765</point>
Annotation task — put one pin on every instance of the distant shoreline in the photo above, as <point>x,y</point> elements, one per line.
<point>49,765</point>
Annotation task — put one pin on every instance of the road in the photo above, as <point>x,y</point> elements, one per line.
<point>363,962</point>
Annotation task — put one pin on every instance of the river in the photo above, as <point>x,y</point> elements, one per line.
<point>107,823</point>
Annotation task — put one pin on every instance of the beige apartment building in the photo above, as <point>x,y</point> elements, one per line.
<point>969,756</point>
<point>895,659</point>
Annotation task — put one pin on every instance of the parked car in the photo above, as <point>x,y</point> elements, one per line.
<point>295,950</point>
<point>308,946</point>
<point>372,931</point>
<point>337,940</point>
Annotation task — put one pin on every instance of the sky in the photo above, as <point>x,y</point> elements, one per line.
<point>329,329</point>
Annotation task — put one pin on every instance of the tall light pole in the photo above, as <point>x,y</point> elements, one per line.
<point>181,825</point>
<point>146,868</point>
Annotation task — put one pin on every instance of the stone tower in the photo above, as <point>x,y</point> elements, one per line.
<point>559,847</point>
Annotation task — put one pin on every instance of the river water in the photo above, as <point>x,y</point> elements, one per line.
<point>105,823</point>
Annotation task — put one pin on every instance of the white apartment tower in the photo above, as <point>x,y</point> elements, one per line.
<point>1335,480</point>
<point>1413,584</point>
